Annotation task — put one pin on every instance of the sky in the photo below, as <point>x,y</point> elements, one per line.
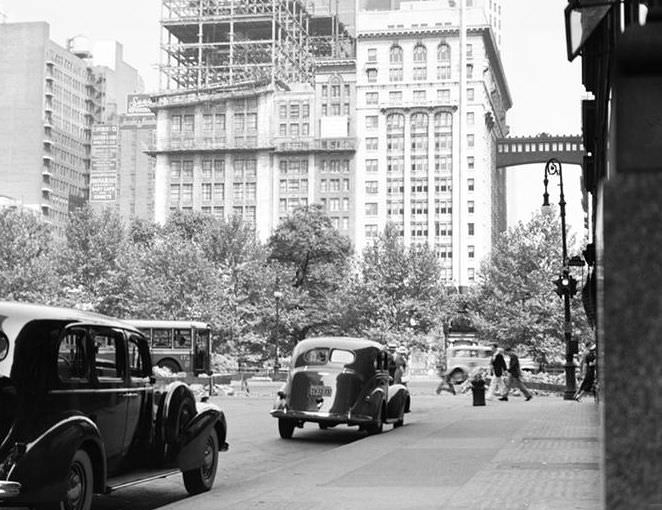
<point>545,88</point>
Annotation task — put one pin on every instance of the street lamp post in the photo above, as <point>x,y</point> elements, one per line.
<point>553,167</point>
<point>277,296</point>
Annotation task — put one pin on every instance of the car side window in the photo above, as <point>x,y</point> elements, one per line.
<point>72,360</point>
<point>137,362</point>
<point>109,357</point>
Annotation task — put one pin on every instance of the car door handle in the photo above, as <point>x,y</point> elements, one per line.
<point>129,395</point>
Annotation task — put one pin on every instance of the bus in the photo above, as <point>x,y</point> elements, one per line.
<point>180,346</point>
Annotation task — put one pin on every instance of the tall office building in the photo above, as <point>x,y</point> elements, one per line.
<point>432,99</point>
<point>49,102</point>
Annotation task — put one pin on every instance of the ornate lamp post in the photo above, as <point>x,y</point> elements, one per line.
<point>277,296</point>
<point>565,284</point>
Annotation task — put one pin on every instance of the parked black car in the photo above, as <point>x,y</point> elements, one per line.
<point>81,413</point>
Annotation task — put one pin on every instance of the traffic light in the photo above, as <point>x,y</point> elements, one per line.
<point>565,284</point>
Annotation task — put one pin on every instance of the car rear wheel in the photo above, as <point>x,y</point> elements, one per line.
<point>79,483</point>
<point>286,428</point>
<point>202,479</point>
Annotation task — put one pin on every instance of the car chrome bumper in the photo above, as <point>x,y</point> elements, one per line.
<point>348,418</point>
<point>9,489</point>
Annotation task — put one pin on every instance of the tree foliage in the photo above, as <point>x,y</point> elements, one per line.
<point>514,303</point>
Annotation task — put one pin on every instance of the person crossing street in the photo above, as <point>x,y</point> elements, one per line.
<point>515,377</point>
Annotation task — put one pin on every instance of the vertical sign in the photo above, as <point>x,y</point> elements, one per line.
<point>103,174</point>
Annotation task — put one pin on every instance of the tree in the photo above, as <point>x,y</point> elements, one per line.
<point>26,268</point>
<point>306,239</point>
<point>397,291</point>
<point>93,243</point>
<point>514,303</point>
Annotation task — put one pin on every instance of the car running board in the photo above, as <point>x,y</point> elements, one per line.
<point>138,477</point>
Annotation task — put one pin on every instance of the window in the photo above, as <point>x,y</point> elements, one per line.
<point>470,206</point>
<point>175,190</point>
<point>345,184</point>
<point>470,51</point>
<point>470,118</point>
<point>206,192</point>
<point>219,192</point>
<point>325,91</point>
<point>372,54</point>
<point>282,130</point>
<point>420,73</point>
<point>371,209</point>
<point>372,75</point>
<point>371,98</point>
<point>176,123</point>
<point>206,169</point>
<point>395,74</point>
<point>419,96</point>
<point>219,169</point>
<point>344,223</point>
<point>187,170</point>
<point>395,97</point>
<point>444,53</point>
<point>187,126</point>
<point>371,186</point>
<point>305,111</point>
<point>371,121</point>
<point>335,90</point>
<point>470,94</point>
<point>371,165</point>
<point>470,184</point>
<point>345,204</point>
<point>470,229</point>
<point>470,162</point>
<point>470,71</point>
<point>109,359</point>
<point>175,170</point>
<point>471,252</point>
<point>395,55</point>
<point>470,140</point>
<point>372,143</point>
<point>420,54</point>
<point>294,111</point>
<point>471,274</point>
<point>207,123</point>
<point>371,231</point>
<point>72,357</point>
<point>443,72</point>
<point>187,193</point>
<point>282,111</point>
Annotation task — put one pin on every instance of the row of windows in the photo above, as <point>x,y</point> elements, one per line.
<point>396,74</point>
<point>334,185</point>
<point>242,169</point>
<point>419,165</point>
<point>421,207</point>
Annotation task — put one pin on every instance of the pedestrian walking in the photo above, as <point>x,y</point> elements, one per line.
<point>499,368</point>
<point>515,376</point>
<point>588,372</point>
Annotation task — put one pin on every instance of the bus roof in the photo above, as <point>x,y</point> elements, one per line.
<point>155,323</point>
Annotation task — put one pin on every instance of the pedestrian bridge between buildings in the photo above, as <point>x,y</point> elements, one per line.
<point>525,150</point>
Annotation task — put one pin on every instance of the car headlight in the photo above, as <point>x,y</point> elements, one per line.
<point>4,346</point>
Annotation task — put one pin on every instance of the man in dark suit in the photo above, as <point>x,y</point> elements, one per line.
<point>499,368</point>
<point>515,376</point>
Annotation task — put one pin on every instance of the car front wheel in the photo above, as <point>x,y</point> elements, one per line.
<point>202,478</point>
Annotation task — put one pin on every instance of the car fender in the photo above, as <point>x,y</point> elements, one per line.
<point>195,434</point>
<point>371,400</point>
<point>397,401</point>
<point>43,468</point>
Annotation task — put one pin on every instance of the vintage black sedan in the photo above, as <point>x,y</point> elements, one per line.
<point>81,413</point>
<point>340,380</point>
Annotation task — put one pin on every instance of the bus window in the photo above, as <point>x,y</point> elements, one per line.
<point>183,339</point>
<point>162,337</point>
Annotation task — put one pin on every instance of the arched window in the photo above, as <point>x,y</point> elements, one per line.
<point>395,55</point>
<point>420,54</point>
<point>443,53</point>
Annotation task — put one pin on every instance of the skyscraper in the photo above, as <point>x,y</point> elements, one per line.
<point>432,98</point>
<point>49,101</point>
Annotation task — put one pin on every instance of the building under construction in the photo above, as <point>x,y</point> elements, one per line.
<point>207,43</point>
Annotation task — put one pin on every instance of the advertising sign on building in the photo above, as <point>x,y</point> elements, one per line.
<point>138,104</point>
<point>103,172</point>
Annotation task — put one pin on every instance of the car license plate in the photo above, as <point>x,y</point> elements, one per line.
<point>320,391</point>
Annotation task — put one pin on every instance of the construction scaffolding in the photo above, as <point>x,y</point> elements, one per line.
<point>206,43</point>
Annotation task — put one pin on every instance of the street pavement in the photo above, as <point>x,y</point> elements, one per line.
<point>538,455</point>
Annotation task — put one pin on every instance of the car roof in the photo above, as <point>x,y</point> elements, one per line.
<point>337,342</point>
<point>26,312</point>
